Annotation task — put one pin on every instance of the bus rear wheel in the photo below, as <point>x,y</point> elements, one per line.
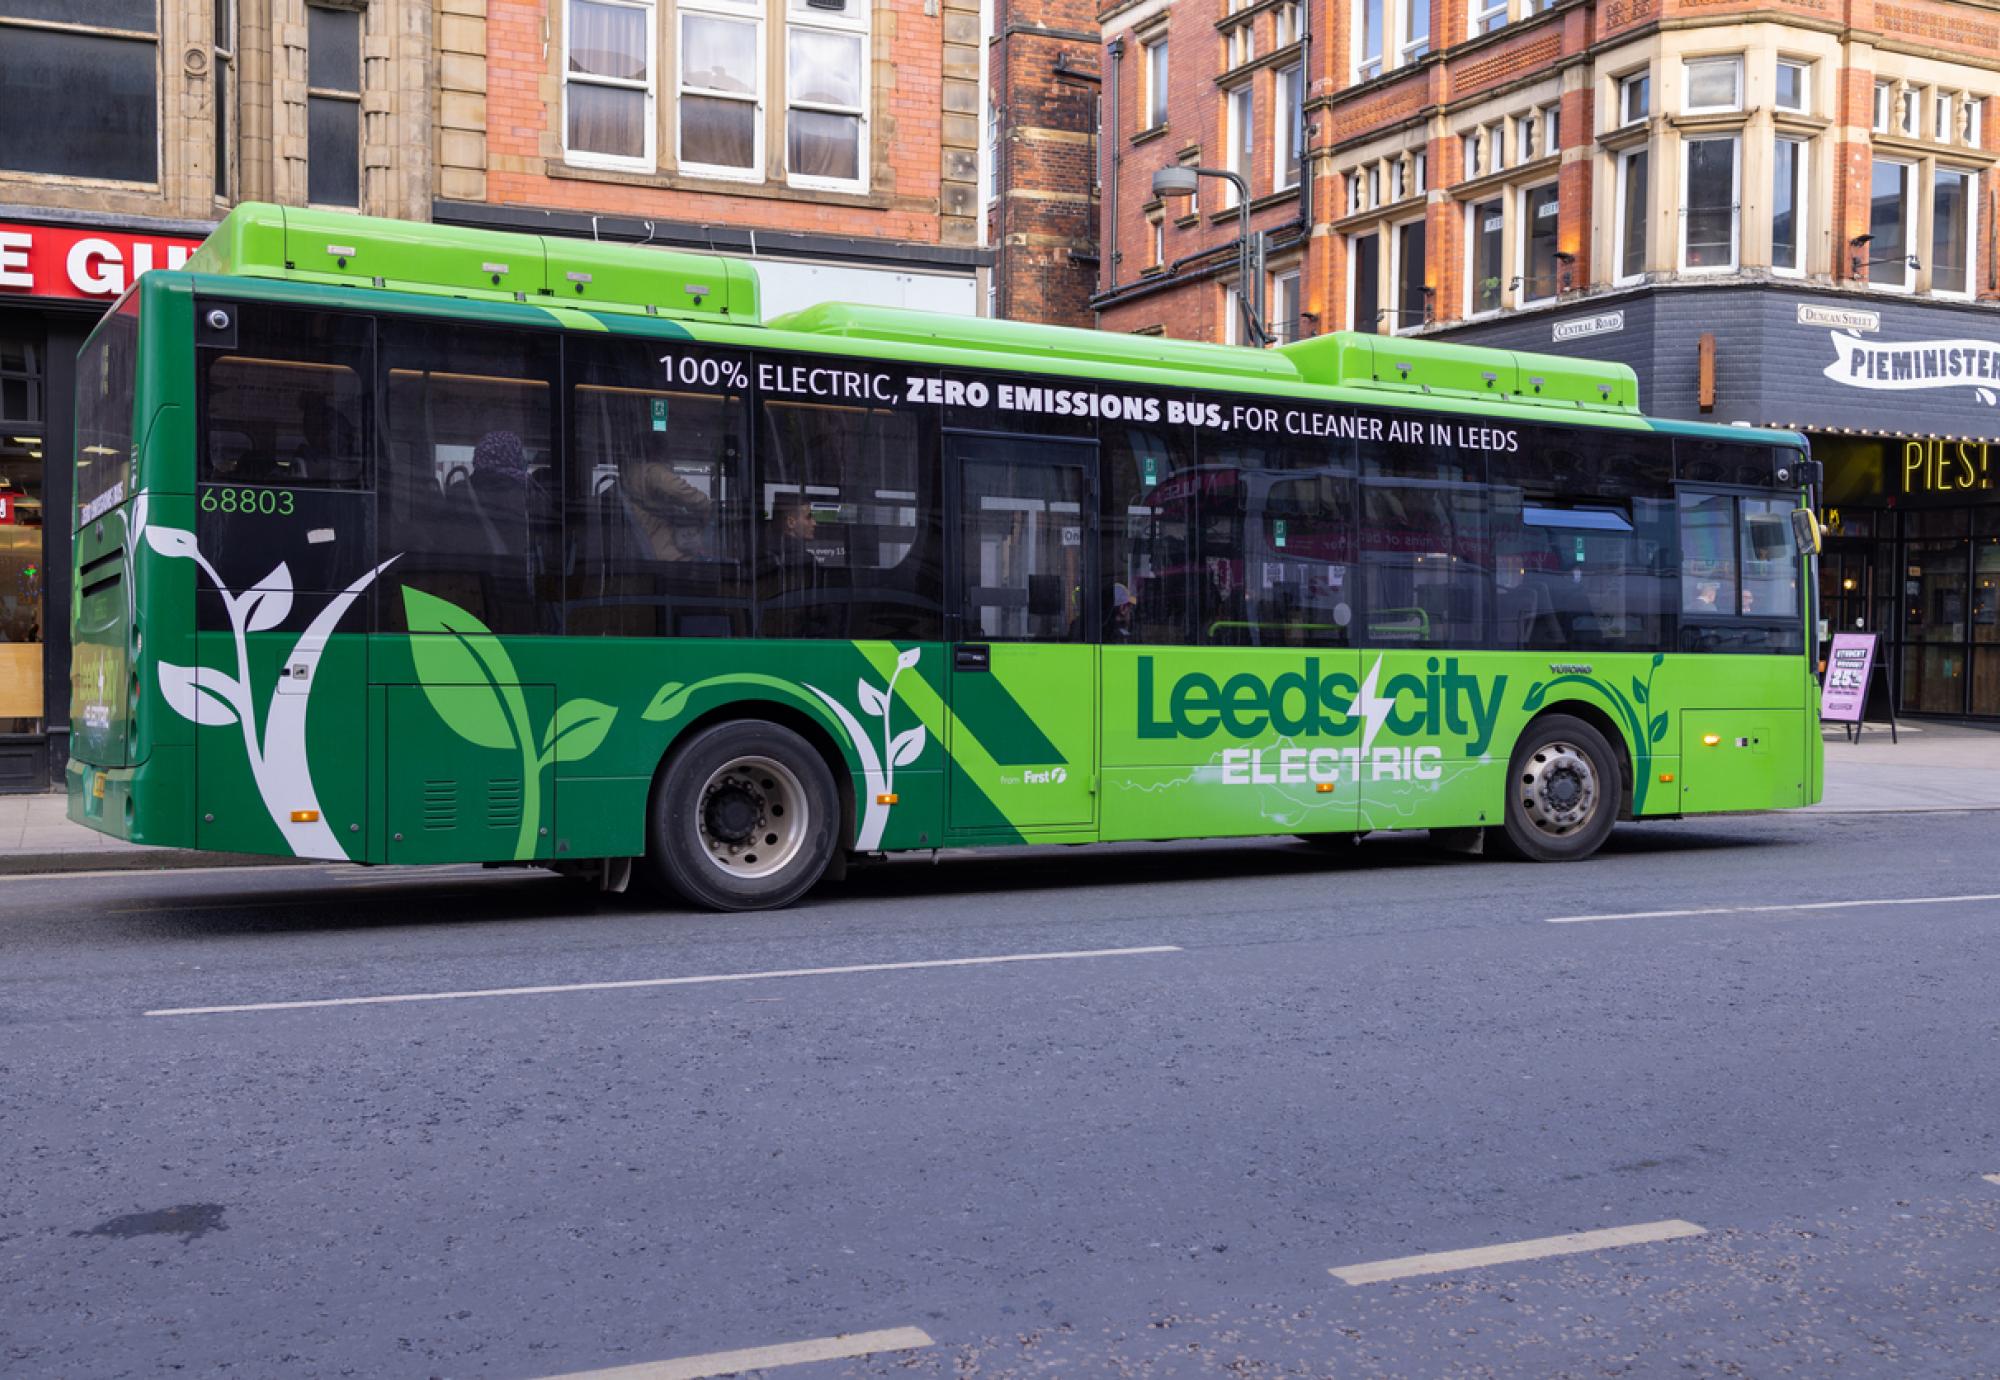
<point>745,818</point>
<point>1562,791</point>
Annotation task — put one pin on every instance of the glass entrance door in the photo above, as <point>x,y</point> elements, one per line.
<point>23,432</point>
<point>1022,734</point>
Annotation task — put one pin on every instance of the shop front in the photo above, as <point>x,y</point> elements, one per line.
<point>1901,400</point>
<point>55,280</point>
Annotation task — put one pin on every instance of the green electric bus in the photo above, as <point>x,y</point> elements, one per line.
<point>403,544</point>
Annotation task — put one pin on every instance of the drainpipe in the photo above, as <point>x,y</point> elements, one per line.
<point>1117,143</point>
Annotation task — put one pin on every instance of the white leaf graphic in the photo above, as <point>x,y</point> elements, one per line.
<point>906,747</point>
<point>192,700</point>
<point>908,659</point>
<point>873,701</point>
<point>171,541</point>
<point>268,602</point>
<point>1986,396</point>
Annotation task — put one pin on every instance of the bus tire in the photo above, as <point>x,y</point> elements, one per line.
<point>745,817</point>
<point>1563,789</point>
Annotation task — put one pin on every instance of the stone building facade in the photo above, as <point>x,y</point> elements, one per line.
<point>1042,151</point>
<point>836,142</point>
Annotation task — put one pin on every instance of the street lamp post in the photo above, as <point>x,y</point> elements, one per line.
<point>1181,180</point>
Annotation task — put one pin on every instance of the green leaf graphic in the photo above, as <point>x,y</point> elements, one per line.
<point>578,729</point>
<point>1638,690</point>
<point>1535,695</point>
<point>667,703</point>
<point>1659,727</point>
<point>454,648</point>
<point>1658,658</point>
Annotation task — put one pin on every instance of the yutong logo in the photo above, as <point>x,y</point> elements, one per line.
<point>1305,704</point>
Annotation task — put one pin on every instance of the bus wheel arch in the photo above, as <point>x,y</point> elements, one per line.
<point>767,758</point>
<point>1560,804</point>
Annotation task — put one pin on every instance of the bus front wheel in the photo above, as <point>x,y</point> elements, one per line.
<point>1562,791</point>
<point>746,817</point>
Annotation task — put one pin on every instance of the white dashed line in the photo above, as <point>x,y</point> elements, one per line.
<point>1991,1178</point>
<point>1451,1262</point>
<point>629,983</point>
<point>1760,910</point>
<point>845,1347</point>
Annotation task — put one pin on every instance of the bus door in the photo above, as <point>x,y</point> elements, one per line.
<point>1022,731</point>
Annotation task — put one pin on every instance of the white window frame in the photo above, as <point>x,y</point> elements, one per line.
<point>1474,152</point>
<point>1368,68</point>
<point>1974,106</point>
<point>1623,182</point>
<point>1735,205</point>
<point>1884,98</point>
<point>584,158</point>
<point>1524,229</point>
<point>1805,71</point>
<point>1943,103</point>
<point>1734,61</point>
<point>1413,45</point>
<point>1239,139</point>
<point>1159,68</point>
<point>755,16</point>
<point>1915,188</point>
<point>1801,209</point>
<point>1420,170</point>
<point>826,21</point>
<point>1488,16</point>
<point>1289,93</point>
<point>1159,242</point>
<point>1473,310</point>
<point>1971,176</point>
<point>1627,84</point>
<point>1910,111</point>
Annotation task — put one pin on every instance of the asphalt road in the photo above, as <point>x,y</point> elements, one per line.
<point>1138,1163</point>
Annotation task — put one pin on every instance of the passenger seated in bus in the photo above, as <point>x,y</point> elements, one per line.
<point>671,512</point>
<point>790,578</point>
<point>511,506</point>
<point>1527,611</point>
<point>325,451</point>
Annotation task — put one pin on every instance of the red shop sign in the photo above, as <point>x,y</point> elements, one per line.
<point>72,261</point>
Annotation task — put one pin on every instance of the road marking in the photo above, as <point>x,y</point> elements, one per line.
<point>1450,1262</point>
<point>845,1347</point>
<point>1758,910</point>
<point>667,981</point>
<point>1991,1178</point>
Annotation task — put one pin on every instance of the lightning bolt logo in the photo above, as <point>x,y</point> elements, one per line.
<point>1373,709</point>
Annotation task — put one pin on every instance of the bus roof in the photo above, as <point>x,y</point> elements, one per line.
<point>333,249</point>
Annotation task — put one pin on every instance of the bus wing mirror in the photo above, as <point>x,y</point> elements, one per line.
<point>1806,530</point>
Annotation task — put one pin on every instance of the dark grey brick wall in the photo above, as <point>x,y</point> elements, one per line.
<point>1769,368</point>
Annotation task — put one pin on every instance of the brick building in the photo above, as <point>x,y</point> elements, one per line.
<point>1042,184</point>
<point>1779,212</point>
<point>127,127</point>
<point>835,142</point>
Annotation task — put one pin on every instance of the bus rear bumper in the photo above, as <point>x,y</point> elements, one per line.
<point>107,799</point>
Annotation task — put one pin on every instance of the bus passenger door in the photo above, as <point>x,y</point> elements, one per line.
<point>1022,731</point>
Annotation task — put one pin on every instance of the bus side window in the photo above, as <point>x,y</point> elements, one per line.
<point>468,500</point>
<point>847,533</point>
<point>658,505</point>
<point>1426,545</point>
<point>1150,561</point>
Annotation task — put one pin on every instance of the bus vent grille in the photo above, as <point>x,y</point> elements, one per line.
<point>503,802</point>
<point>440,805</point>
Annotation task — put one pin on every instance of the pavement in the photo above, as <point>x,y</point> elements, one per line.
<point>1720,1101</point>
<point>1931,766</point>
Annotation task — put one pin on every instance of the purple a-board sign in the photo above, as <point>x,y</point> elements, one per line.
<point>1847,668</point>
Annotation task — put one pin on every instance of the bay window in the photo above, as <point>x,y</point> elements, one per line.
<point>1788,206</point>
<point>1410,294</point>
<point>1794,90</point>
<point>1951,231</point>
<point>1713,84</point>
<point>1709,204</point>
<point>1540,213</point>
<point>1485,230</point>
<point>1635,98</point>
<point>1892,212</point>
<point>1634,168</point>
